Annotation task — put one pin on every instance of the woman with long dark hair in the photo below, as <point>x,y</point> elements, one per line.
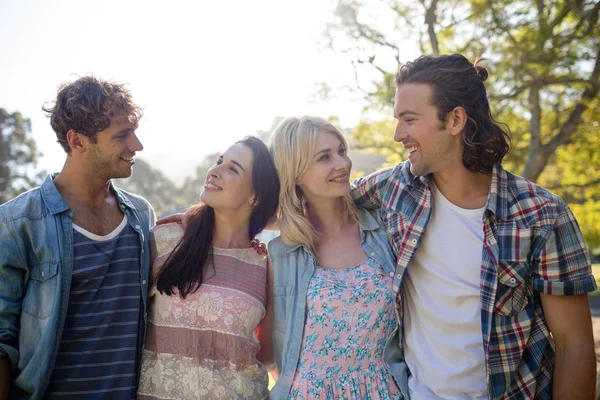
<point>210,294</point>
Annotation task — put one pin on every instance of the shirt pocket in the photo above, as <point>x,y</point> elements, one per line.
<point>281,298</point>
<point>512,292</point>
<point>41,289</point>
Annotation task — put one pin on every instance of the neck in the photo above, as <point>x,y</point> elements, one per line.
<point>231,230</point>
<point>74,182</point>
<point>325,215</point>
<point>462,187</point>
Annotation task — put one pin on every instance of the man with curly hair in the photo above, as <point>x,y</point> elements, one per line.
<point>75,259</point>
<point>493,273</point>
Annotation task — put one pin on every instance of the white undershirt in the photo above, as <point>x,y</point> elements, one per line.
<point>443,339</point>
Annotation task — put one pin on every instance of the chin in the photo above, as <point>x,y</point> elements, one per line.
<point>415,170</point>
<point>122,175</point>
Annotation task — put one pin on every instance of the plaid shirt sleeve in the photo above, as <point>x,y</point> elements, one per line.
<point>562,265</point>
<point>368,191</point>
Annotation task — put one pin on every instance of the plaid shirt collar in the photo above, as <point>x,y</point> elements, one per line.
<point>499,192</point>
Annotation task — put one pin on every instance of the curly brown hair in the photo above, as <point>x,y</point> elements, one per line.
<point>88,105</point>
<point>456,82</point>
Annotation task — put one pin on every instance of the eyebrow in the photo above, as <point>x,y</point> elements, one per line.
<point>327,150</point>
<point>322,151</point>
<point>238,164</point>
<point>124,131</point>
<point>406,112</point>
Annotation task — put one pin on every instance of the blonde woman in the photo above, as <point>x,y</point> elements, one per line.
<point>335,327</point>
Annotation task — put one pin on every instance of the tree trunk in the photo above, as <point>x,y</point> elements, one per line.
<point>431,21</point>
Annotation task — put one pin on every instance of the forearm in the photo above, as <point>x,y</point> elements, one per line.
<point>4,378</point>
<point>575,373</point>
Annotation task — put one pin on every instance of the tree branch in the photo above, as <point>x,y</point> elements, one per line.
<point>535,124</point>
<point>574,120</point>
<point>575,185</point>
<point>431,21</point>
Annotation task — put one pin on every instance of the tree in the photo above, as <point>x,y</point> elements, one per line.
<point>165,196</point>
<point>544,58</point>
<point>18,155</point>
<point>154,186</point>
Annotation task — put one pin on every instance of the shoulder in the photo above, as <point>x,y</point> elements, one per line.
<point>166,237</point>
<point>531,203</point>
<point>26,205</point>
<point>379,177</point>
<point>278,248</point>
<point>138,201</point>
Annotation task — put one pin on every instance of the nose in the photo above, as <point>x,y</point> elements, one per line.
<point>400,133</point>
<point>213,172</point>
<point>343,162</point>
<point>135,144</point>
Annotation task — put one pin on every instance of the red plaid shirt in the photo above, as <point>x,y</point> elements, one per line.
<point>532,244</point>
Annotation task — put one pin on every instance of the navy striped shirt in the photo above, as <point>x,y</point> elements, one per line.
<point>97,358</point>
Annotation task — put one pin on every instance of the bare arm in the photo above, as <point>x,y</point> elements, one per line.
<point>570,322</point>
<point>265,329</point>
<point>4,378</point>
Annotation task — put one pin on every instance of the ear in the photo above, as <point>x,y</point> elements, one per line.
<point>457,120</point>
<point>253,201</point>
<point>77,141</point>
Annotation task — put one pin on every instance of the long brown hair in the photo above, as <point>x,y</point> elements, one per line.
<point>184,268</point>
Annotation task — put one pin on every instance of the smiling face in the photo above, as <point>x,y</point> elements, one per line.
<point>328,174</point>
<point>112,156</point>
<point>229,182</point>
<point>430,146</point>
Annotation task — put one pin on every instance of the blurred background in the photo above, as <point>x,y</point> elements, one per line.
<point>209,73</point>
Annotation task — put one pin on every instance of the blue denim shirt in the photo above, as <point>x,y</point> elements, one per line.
<point>293,268</point>
<point>36,262</point>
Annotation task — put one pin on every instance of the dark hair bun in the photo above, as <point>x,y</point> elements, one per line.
<point>481,71</point>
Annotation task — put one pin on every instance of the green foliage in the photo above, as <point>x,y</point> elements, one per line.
<point>151,184</point>
<point>18,155</point>
<point>164,195</point>
<point>544,63</point>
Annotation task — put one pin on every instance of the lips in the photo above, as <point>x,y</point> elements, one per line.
<point>129,160</point>
<point>411,148</point>
<point>211,186</point>
<point>340,178</point>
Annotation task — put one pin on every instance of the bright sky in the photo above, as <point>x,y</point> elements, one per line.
<point>207,73</point>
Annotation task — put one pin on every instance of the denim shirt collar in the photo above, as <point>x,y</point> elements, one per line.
<point>367,223</point>
<point>56,203</point>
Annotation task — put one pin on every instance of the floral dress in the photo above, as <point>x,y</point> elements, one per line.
<point>350,319</point>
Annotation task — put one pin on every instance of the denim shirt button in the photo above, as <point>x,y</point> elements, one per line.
<point>372,253</point>
<point>144,282</point>
<point>392,274</point>
<point>137,227</point>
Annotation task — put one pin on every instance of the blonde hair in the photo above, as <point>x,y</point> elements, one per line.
<point>292,145</point>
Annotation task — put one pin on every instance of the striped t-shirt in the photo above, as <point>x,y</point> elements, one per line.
<point>97,358</point>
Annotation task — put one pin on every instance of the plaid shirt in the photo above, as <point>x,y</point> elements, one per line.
<point>532,244</point>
